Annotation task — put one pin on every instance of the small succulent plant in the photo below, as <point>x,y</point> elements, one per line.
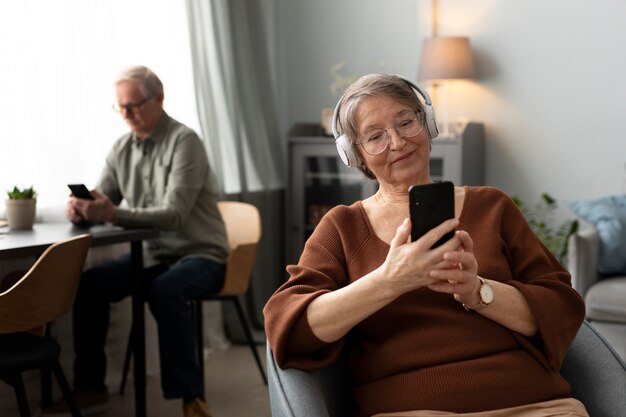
<point>22,194</point>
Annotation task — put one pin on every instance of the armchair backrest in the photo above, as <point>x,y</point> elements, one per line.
<point>596,373</point>
<point>593,369</point>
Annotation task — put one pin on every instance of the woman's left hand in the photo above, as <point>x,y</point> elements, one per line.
<point>509,307</point>
<point>461,280</point>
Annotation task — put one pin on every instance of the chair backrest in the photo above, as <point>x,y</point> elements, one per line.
<point>243,229</point>
<point>593,369</point>
<point>47,290</point>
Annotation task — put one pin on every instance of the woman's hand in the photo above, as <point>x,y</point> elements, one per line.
<point>100,209</point>
<point>407,267</point>
<point>461,280</point>
<point>409,264</point>
<point>509,307</point>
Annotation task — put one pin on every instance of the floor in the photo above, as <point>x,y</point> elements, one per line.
<point>234,388</point>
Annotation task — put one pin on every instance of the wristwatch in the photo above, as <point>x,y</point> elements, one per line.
<point>486,296</point>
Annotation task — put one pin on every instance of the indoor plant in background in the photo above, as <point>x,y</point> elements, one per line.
<point>540,219</point>
<point>20,208</point>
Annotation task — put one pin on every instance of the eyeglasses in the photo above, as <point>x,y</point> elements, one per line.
<point>131,108</point>
<point>375,141</point>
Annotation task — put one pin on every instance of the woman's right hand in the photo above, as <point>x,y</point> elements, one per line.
<point>407,267</point>
<point>408,264</point>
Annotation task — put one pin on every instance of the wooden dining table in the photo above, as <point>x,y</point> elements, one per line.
<point>16,244</point>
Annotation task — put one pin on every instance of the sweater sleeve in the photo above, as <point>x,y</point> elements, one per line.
<point>321,269</point>
<point>546,285</point>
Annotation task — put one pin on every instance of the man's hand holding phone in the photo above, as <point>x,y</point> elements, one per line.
<point>89,206</point>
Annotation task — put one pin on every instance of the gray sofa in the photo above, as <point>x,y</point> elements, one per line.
<point>605,296</point>
<point>595,372</point>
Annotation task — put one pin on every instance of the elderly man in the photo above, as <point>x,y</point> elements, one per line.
<point>160,169</point>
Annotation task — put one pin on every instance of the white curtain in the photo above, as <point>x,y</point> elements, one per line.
<point>58,61</point>
<point>236,111</point>
<point>234,94</point>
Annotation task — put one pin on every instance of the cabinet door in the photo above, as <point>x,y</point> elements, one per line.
<point>445,161</point>
<point>319,181</point>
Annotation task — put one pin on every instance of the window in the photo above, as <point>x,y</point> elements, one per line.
<point>59,61</point>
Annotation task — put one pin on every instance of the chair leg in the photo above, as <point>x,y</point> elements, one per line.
<point>196,306</point>
<point>129,354</point>
<point>46,387</point>
<point>246,328</point>
<point>46,378</point>
<point>65,389</point>
<point>20,394</point>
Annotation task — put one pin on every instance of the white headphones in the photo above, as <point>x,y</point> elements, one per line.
<point>344,147</point>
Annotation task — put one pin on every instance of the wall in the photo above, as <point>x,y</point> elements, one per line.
<point>312,36</point>
<point>550,89</point>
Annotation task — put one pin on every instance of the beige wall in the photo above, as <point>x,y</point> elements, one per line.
<point>551,88</point>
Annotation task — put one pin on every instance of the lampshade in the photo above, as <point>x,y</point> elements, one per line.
<point>446,58</point>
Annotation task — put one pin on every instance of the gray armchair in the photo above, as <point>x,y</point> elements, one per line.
<point>596,373</point>
<point>605,297</point>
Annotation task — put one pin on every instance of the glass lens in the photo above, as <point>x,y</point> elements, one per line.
<point>408,125</point>
<point>375,141</point>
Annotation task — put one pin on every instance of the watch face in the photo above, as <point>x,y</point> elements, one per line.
<point>486,293</point>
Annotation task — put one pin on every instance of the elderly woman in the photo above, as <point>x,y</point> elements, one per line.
<point>476,326</point>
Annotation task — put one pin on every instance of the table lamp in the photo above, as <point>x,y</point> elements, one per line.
<point>443,59</point>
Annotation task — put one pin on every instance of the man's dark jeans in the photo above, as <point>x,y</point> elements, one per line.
<point>168,291</point>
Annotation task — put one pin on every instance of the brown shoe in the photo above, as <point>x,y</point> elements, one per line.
<point>88,402</point>
<point>196,408</point>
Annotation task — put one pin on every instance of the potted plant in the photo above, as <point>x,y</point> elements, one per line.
<point>21,207</point>
<point>554,236</point>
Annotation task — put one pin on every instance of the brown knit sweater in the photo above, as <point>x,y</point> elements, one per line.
<point>424,351</point>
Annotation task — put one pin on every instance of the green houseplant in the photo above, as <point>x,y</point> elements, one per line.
<point>540,218</point>
<point>21,207</point>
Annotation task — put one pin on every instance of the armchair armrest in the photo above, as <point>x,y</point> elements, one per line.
<point>322,393</point>
<point>582,257</point>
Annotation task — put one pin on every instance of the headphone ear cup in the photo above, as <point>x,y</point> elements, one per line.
<point>431,121</point>
<point>346,152</point>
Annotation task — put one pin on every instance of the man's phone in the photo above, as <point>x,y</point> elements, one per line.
<point>431,205</point>
<point>80,191</point>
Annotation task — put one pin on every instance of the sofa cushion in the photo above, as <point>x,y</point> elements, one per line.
<point>606,300</point>
<point>608,215</point>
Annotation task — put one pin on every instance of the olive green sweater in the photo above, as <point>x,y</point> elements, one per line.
<point>424,350</point>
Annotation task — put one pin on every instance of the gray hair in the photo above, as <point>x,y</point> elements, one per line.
<point>149,84</point>
<point>371,85</point>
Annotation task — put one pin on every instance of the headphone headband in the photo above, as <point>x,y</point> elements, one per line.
<point>344,147</point>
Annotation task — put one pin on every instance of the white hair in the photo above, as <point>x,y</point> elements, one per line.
<point>149,84</point>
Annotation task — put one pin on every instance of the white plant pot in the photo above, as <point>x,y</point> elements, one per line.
<point>21,213</point>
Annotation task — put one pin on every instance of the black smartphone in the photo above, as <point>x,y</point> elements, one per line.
<point>80,191</point>
<point>431,205</point>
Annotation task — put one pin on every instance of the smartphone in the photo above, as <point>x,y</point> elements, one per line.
<point>431,205</point>
<point>80,191</point>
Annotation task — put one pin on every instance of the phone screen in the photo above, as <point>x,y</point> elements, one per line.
<point>431,205</point>
<point>80,191</point>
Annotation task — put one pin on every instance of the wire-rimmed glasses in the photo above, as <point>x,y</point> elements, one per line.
<point>375,141</point>
<point>132,108</point>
